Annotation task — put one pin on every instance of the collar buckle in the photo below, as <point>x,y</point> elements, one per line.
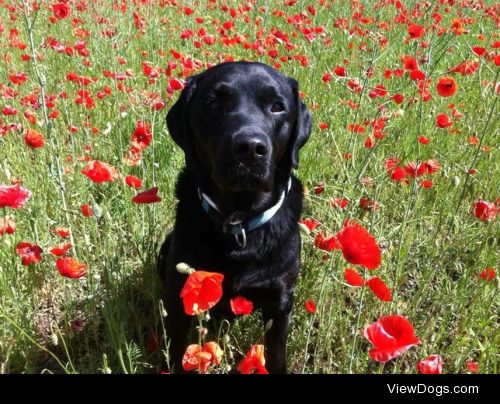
<point>241,238</point>
<point>238,230</point>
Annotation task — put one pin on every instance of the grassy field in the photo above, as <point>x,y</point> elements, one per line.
<point>83,81</point>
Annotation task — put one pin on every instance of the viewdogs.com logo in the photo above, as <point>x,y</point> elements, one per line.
<point>430,389</point>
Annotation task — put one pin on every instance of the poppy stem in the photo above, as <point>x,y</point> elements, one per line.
<point>473,163</point>
<point>59,183</point>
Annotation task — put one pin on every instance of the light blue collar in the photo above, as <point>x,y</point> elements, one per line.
<point>239,229</point>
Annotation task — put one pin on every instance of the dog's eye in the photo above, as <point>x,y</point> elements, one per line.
<point>214,105</point>
<point>277,107</point>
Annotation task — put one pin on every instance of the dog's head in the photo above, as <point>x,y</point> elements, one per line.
<point>240,123</point>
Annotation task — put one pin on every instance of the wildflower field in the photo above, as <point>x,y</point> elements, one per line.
<point>400,238</point>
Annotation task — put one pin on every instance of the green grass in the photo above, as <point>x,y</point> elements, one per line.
<point>433,247</point>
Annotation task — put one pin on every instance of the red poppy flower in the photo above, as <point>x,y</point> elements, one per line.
<point>311,224</point>
<point>13,196</point>
<point>423,140</point>
<point>133,181</point>
<point>201,291</point>
<point>87,210</point>
<point>359,246</point>
<point>339,202</point>
<point>353,278</point>
<point>368,204</point>
<point>488,274</point>
<point>7,226</point>
<point>176,84</point>
<point>446,87</point>
<point>241,306</point>
<point>327,77</point>
<point>34,139</point>
<point>149,196</point>
<point>379,289</point>
<point>133,157</point>
<point>60,249</point>
<point>200,358</point>
<point>414,170</point>
<point>472,365</point>
<point>215,350</point>
<point>100,172</point>
<point>356,128</point>
<point>340,71</point>
<point>142,136</point>
<point>433,365</point>
<point>18,78</point>
<point>195,359</point>
<point>409,62</point>
<point>378,91</point>
<point>443,121</point>
<point>392,336</point>
<point>431,166</point>
<point>326,244</point>
<point>71,268</point>
<point>415,31</point>
<point>426,184</point>
<point>465,68</point>
<point>398,174</point>
<point>368,142</point>
<point>485,211</point>
<point>29,253</point>
<point>62,231</point>
<point>479,50</point>
<point>398,98</point>
<point>61,10</point>
<point>318,189</point>
<point>8,110</point>
<point>310,306</point>
<point>254,361</point>
<point>391,163</point>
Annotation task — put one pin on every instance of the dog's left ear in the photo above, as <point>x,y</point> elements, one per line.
<point>177,121</point>
<point>302,126</point>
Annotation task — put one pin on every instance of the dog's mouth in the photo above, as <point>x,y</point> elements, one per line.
<point>248,184</point>
<point>243,177</point>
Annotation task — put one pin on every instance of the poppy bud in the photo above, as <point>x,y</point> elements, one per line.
<point>107,131</point>
<point>203,331</point>
<point>304,229</point>
<point>163,312</point>
<point>399,112</point>
<point>269,325</point>
<point>455,181</point>
<point>54,339</point>
<point>491,241</point>
<point>184,268</point>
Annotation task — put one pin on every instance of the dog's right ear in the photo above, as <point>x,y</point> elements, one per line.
<point>177,120</point>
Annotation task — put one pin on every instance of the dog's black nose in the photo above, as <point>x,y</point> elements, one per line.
<point>249,147</point>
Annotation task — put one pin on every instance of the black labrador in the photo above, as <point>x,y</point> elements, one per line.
<point>240,125</point>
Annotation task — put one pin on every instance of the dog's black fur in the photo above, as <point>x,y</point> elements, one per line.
<point>241,126</point>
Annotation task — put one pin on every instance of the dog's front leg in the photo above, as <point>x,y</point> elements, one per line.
<point>177,327</point>
<point>276,320</point>
<point>176,323</point>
